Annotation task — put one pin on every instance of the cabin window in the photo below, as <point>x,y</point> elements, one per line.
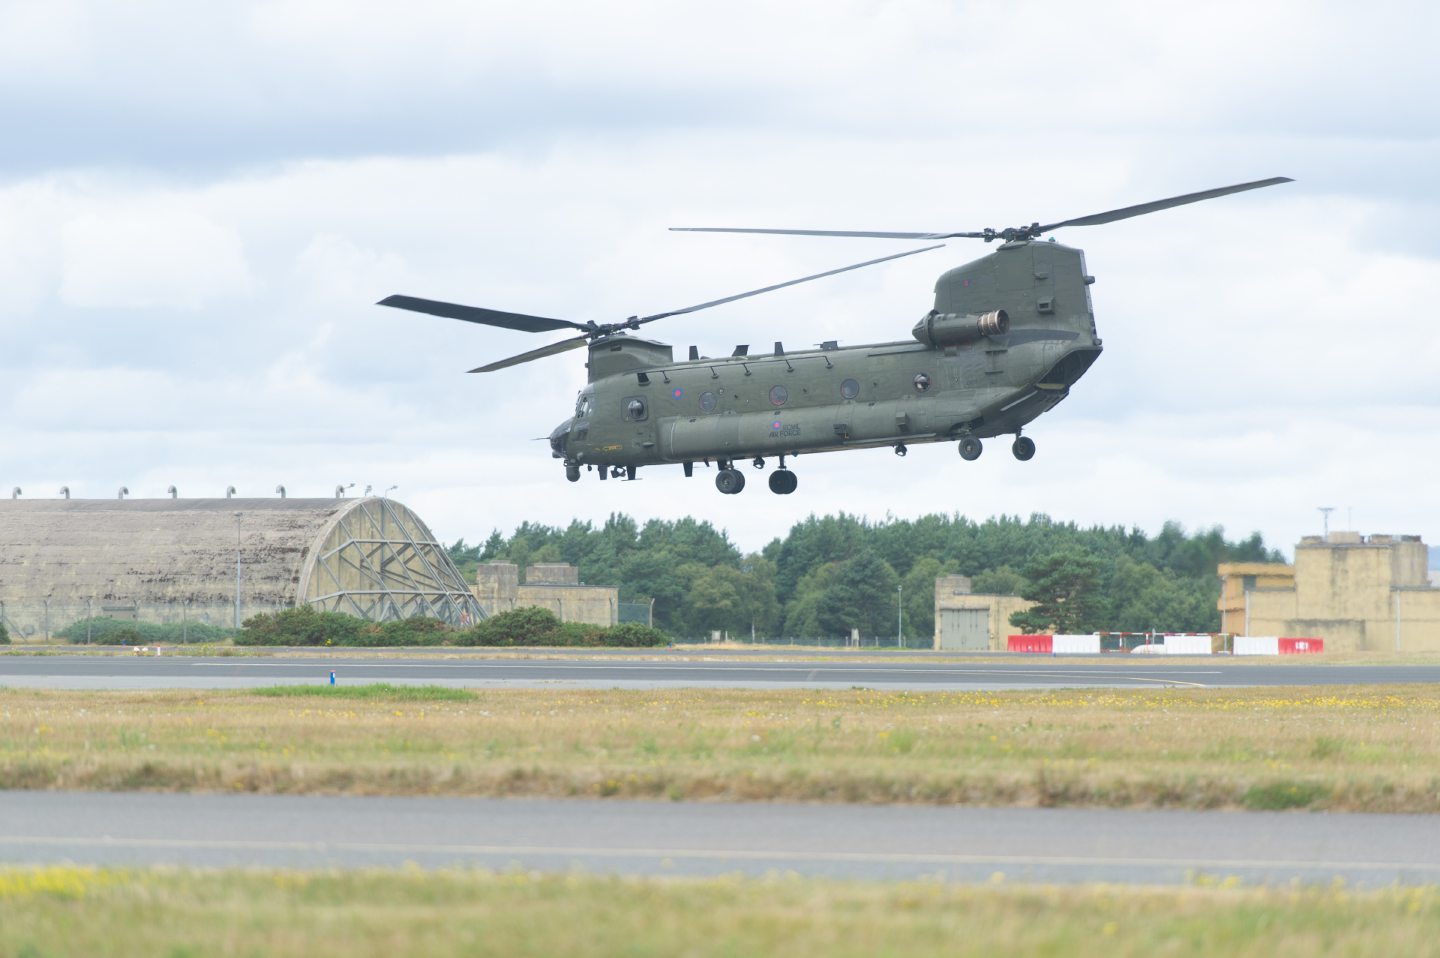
<point>707,401</point>
<point>635,409</point>
<point>779,395</point>
<point>922,382</point>
<point>850,388</point>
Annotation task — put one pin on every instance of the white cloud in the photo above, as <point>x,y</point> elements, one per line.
<point>147,254</point>
<point>193,235</point>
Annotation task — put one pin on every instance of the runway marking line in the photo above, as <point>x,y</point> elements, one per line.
<point>921,858</point>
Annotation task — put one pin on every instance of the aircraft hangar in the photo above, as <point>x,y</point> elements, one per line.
<point>217,561</point>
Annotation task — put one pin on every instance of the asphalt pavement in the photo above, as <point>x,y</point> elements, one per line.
<point>702,839</point>
<point>912,671</point>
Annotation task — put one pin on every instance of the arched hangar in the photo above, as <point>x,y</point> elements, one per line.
<point>213,560</point>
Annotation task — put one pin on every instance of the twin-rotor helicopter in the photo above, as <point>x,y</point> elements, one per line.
<point>1008,335</point>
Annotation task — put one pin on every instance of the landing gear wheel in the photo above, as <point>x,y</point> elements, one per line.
<point>970,448</point>
<point>729,481</point>
<point>783,482</point>
<point>1024,448</point>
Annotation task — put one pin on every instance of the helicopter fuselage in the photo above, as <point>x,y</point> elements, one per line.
<point>1008,336</point>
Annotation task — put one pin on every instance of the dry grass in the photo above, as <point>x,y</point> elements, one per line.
<point>79,911</point>
<point>1371,749</point>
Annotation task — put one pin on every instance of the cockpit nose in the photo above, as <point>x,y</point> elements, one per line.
<point>559,437</point>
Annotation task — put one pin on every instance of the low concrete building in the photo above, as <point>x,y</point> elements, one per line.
<point>965,621</point>
<point>550,585</point>
<point>1358,593</point>
<point>216,560</point>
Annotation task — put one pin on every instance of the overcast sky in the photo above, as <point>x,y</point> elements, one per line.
<point>200,204</point>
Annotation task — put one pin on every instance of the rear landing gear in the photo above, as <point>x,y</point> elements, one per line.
<point>970,448</point>
<point>783,482</point>
<point>1024,448</point>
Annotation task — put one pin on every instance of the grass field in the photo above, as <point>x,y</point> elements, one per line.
<point>1371,749</point>
<point>76,911</point>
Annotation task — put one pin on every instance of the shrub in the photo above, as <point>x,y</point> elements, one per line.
<point>634,635</point>
<point>525,626</point>
<point>540,627</point>
<point>102,631</point>
<point>301,626</point>
<point>400,632</point>
<point>4,635</point>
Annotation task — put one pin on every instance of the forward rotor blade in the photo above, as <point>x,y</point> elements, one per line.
<point>1124,213</point>
<point>867,234</point>
<point>792,282</point>
<point>565,345</point>
<point>476,314</point>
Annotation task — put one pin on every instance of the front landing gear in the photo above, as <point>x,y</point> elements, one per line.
<point>1023,448</point>
<point>730,481</point>
<point>970,448</point>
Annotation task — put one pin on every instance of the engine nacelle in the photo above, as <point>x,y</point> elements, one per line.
<point>954,329</point>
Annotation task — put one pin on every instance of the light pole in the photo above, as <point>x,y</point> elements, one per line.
<point>900,615</point>
<point>1325,511</point>
<point>237,570</point>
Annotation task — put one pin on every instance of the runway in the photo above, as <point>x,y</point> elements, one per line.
<point>667,838</point>
<point>915,671</point>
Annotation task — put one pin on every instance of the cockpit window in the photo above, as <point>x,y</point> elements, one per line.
<point>582,406</point>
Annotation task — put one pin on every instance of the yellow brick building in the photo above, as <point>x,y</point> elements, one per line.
<point>969,622</point>
<point>551,585</point>
<point>1358,593</point>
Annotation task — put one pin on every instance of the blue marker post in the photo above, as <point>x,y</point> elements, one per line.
<point>332,676</point>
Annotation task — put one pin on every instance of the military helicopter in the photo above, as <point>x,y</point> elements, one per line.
<point>1008,335</point>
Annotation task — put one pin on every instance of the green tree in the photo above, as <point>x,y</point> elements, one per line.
<point>919,585</point>
<point>862,596</point>
<point>1066,589</point>
<point>715,600</point>
<point>762,606</point>
<point>1144,598</point>
<point>1001,581</point>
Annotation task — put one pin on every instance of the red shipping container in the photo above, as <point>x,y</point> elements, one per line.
<point>1301,646</point>
<point>1044,644</point>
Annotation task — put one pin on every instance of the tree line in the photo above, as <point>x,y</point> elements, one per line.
<point>830,574</point>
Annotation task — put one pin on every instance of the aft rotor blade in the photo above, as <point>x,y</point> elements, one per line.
<point>564,345</point>
<point>1096,219</point>
<point>866,234</point>
<point>792,282</point>
<point>476,314</point>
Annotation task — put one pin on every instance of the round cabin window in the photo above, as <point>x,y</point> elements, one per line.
<point>707,401</point>
<point>922,382</point>
<point>850,389</point>
<point>779,395</point>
